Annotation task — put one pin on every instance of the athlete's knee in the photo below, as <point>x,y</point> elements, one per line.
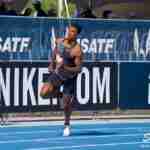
<point>46,89</point>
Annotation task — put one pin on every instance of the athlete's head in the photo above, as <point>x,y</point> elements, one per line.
<point>73,31</point>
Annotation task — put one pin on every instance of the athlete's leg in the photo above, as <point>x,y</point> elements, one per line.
<point>50,88</point>
<point>68,96</point>
<point>67,109</point>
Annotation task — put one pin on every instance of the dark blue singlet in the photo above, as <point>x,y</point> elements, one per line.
<point>68,61</point>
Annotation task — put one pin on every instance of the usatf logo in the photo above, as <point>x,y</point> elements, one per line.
<point>97,45</point>
<point>141,44</point>
<point>15,44</point>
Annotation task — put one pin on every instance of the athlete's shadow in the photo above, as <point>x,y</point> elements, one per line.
<point>92,133</point>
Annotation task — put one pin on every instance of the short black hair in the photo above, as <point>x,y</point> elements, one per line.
<point>78,27</point>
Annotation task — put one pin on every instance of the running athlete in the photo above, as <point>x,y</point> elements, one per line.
<point>64,67</point>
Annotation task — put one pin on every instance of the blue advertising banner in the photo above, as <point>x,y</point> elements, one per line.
<point>21,83</point>
<point>116,52</point>
<point>25,38</point>
<point>134,85</point>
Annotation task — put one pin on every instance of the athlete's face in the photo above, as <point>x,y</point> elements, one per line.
<point>72,33</point>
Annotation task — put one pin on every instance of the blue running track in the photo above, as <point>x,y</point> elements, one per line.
<point>87,135</point>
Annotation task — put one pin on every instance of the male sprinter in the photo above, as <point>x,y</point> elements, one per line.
<point>65,65</point>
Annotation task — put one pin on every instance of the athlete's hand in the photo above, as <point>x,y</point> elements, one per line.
<point>59,59</point>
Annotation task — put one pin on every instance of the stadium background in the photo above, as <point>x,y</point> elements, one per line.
<point>121,8</point>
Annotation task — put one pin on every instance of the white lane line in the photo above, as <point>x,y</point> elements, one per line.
<point>28,132</point>
<point>87,146</point>
<point>144,129</point>
<point>78,122</point>
<point>67,138</point>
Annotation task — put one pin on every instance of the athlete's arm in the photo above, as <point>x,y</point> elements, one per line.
<point>51,66</point>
